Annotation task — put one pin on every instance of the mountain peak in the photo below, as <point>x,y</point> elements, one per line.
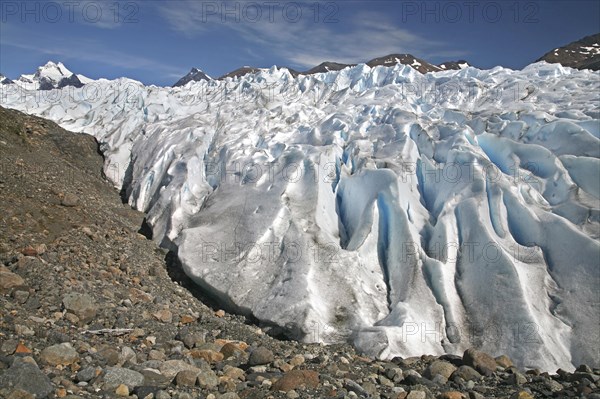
<point>580,54</point>
<point>195,75</point>
<point>52,75</point>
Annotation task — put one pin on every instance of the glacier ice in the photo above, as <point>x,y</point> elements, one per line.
<point>406,213</point>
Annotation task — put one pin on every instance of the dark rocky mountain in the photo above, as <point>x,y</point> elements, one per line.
<point>389,60</point>
<point>194,75</point>
<point>239,72</point>
<point>326,66</point>
<point>581,54</point>
<point>4,80</point>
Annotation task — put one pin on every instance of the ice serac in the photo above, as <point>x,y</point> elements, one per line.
<point>408,213</point>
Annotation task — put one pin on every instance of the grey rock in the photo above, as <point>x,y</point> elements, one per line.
<point>63,354</point>
<point>439,367</point>
<point>28,377</point>
<point>81,305</point>
<point>467,373</point>
<point>260,356</point>
<point>115,376</point>
<point>208,379</point>
<point>517,379</point>
<point>480,361</point>
<point>69,200</point>
<point>171,368</point>
<point>417,395</point>
<point>86,374</point>
<point>186,378</point>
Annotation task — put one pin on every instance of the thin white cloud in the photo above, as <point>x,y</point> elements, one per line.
<point>65,49</point>
<point>305,43</point>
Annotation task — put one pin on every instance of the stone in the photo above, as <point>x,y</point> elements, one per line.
<point>521,395</point>
<point>163,315</point>
<point>122,390</point>
<point>87,374</point>
<point>504,361</point>
<point>439,367</point>
<point>230,349</point>
<point>297,360</point>
<point>69,200</point>
<point>260,356</point>
<point>193,339</point>
<point>517,379</point>
<point>171,368</point>
<point>81,305</point>
<point>208,379</point>
<point>209,356</point>
<point>9,280</point>
<point>467,373</point>
<point>23,375</point>
<point>145,391</point>
<point>451,395</point>
<point>552,385</point>
<point>115,376</point>
<point>61,354</point>
<point>162,395</point>
<point>480,361</point>
<point>295,379</point>
<point>416,395</point>
<point>234,373</point>
<point>186,378</point>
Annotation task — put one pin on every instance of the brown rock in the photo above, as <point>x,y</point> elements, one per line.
<point>220,313</point>
<point>480,361</point>
<point>296,379</point>
<point>439,367</point>
<point>209,355</point>
<point>22,349</point>
<point>186,378</point>
<point>504,361</point>
<point>164,315</point>
<point>69,200</point>
<point>9,280</point>
<point>122,390</point>
<point>452,395</point>
<point>29,251</point>
<point>187,319</point>
<point>61,354</point>
<point>230,349</point>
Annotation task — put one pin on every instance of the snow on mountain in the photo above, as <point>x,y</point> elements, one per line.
<point>408,213</point>
<point>52,76</point>
<point>456,65</point>
<point>581,54</point>
<point>194,75</point>
<point>4,80</point>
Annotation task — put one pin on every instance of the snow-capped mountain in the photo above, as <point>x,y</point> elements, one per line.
<point>405,59</point>
<point>407,213</point>
<point>581,54</point>
<point>195,75</point>
<point>4,80</point>
<point>52,76</point>
<point>328,66</point>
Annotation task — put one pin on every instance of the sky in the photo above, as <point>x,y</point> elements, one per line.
<point>158,42</point>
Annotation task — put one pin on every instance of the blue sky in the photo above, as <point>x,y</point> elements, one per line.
<point>157,42</point>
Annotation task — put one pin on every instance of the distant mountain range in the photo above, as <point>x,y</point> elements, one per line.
<point>389,60</point>
<point>582,54</point>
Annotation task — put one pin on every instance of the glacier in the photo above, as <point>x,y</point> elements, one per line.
<point>402,212</point>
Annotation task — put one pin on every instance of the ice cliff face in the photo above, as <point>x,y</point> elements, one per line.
<point>407,213</point>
